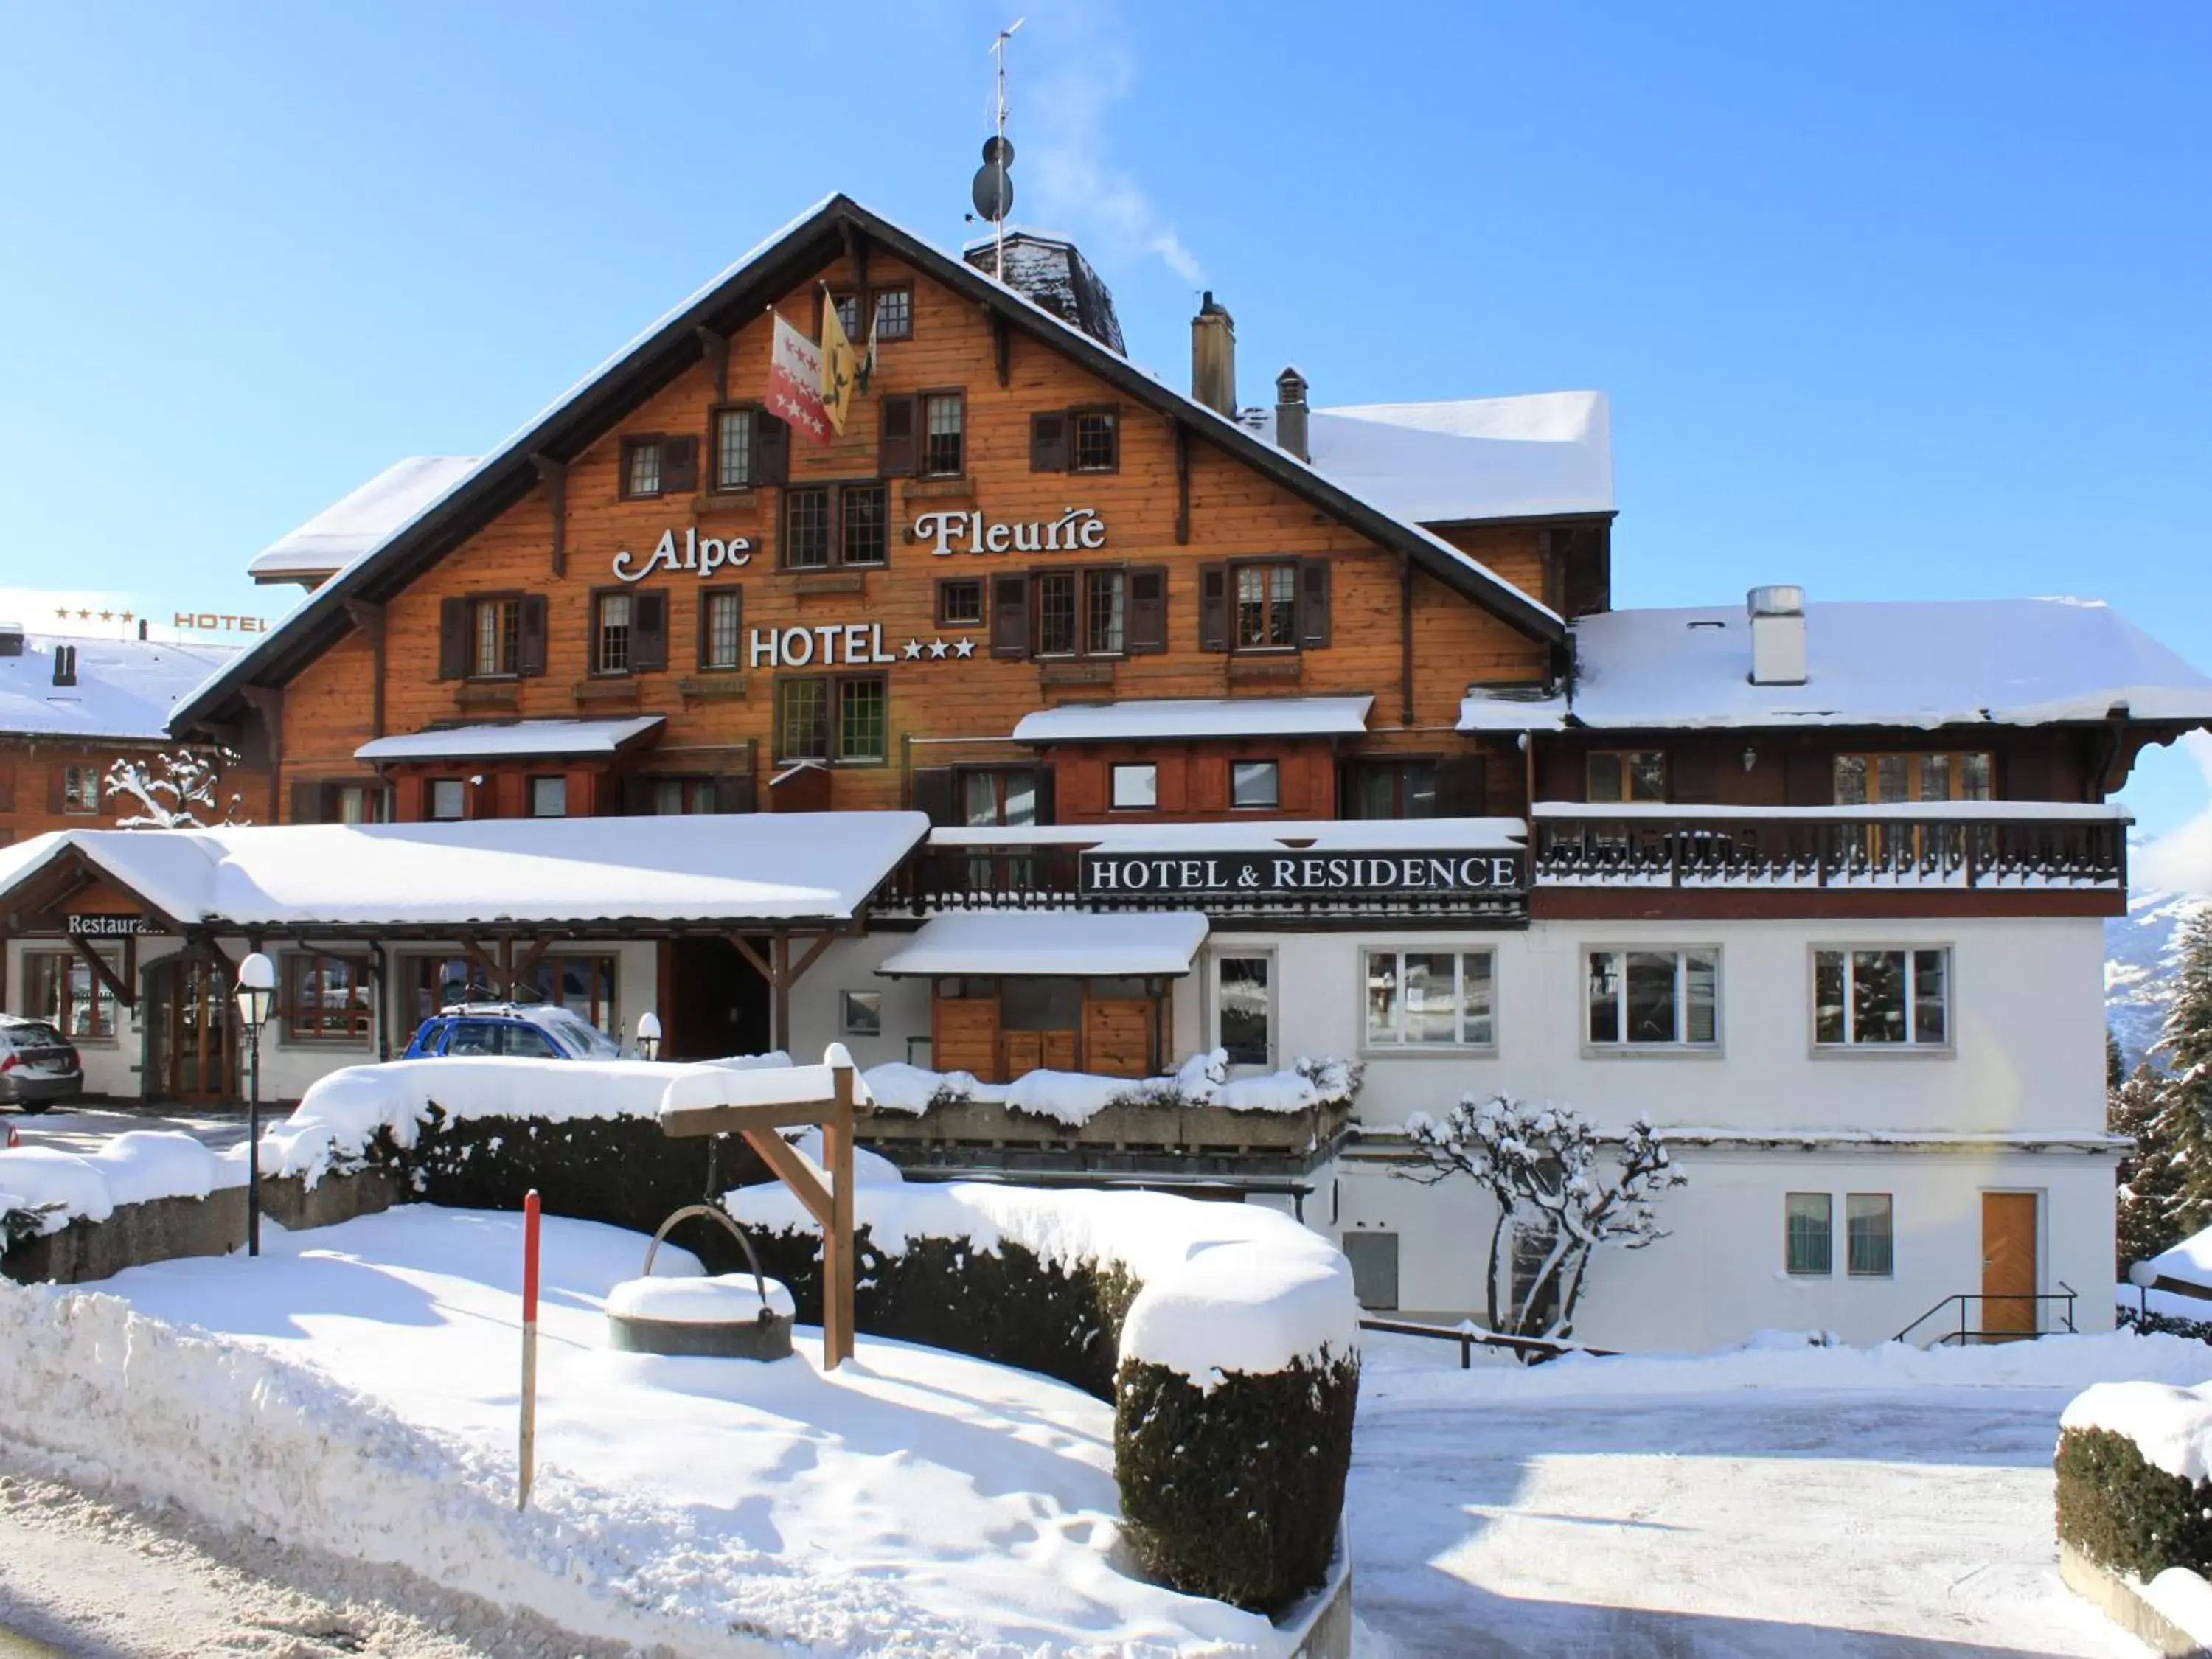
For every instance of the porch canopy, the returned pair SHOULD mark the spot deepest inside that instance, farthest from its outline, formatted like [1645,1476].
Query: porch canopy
[517,739]
[1145,720]
[1051,945]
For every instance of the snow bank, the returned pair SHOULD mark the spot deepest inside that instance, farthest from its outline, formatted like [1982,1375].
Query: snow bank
[2171,1426]
[132,1168]
[2189,1261]
[1227,1287]
[1075,1097]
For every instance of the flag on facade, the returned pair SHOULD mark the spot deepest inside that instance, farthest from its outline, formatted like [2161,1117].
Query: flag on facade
[841,365]
[795,382]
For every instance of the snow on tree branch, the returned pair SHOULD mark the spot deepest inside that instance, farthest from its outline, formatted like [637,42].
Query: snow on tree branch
[179,791]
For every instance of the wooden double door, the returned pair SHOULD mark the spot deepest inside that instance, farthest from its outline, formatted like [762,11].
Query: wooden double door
[191,1032]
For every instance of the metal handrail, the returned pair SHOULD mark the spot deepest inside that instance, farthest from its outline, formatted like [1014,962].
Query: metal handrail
[2064,1295]
[1469,1337]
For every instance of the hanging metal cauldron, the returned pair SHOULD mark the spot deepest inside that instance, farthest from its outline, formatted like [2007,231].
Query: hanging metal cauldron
[727,1316]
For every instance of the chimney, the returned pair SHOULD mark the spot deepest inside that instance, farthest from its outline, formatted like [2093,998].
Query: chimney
[65,664]
[1290,413]
[1213,358]
[142,627]
[1778,636]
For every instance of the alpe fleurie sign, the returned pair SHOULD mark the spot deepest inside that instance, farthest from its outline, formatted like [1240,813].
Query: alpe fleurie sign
[1293,875]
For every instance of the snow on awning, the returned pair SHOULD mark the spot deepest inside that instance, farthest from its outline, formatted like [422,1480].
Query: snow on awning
[1051,943]
[1488,710]
[517,739]
[1141,719]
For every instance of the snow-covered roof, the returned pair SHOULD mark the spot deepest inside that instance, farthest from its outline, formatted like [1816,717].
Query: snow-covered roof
[1545,453]
[1144,718]
[1489,708]
[354,523]
[1257,835]
[767,867]
[124,688]
[1926,663]
[1117,945]
[519,737]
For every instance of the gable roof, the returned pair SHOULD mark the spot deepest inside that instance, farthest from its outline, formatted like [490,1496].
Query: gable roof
[673,345]
[354,523]
[124,688]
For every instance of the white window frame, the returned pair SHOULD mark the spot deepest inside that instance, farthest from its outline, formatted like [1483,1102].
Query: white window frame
[1681,1047]
[1113,771]
[1849,1271]
[559,782]
[1274,960]
[1401,1047]
[430,800]
[1851,1048]
[1274,773]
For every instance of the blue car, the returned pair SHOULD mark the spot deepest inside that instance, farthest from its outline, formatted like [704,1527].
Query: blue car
[517,1031]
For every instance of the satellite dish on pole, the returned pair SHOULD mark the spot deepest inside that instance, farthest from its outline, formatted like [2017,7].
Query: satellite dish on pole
[994,190]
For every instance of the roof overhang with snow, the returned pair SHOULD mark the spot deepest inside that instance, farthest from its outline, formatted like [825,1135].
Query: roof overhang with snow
[518,738]
[1147,719]
[1051,945]
[675,344]
[354,523]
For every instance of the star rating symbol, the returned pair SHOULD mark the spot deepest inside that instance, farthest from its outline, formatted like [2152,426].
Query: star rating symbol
[127,617]
[937,650]
[107,616]
[62,611]
[84,616]
[965,648]
[913,650]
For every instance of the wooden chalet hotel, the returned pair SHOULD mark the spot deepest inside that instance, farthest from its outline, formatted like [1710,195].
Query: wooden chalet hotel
[1051,719]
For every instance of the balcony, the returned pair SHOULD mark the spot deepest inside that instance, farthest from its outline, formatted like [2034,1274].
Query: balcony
[1977,846]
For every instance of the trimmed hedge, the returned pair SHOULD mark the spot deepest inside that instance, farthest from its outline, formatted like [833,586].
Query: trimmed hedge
[2127,1514]
[2160,1324]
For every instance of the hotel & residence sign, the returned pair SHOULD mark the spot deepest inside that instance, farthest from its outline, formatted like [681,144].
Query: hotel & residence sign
[1291,875]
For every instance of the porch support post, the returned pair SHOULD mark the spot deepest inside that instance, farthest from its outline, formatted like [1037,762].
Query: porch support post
[117,986]
[838,1237]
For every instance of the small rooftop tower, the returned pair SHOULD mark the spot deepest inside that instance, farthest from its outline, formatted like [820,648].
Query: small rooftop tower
[1213,358]
[1778,635]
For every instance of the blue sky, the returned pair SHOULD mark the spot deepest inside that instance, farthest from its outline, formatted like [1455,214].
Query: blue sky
[1892,300]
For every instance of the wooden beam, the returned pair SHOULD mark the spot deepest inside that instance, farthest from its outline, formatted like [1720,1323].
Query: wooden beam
[484,959]
[539,947]
[369,618]
[746,951]
[822,942]
[268,702]
[116,985]
[856,254]
[1405,639]
[1182,480]
[687,1123]
[554,475]
[1002,347]
[779,991]
[717,348]
[791,1169]
[838,1237]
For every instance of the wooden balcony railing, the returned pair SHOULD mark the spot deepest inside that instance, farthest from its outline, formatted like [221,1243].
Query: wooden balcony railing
[1023,878]
[1971,844]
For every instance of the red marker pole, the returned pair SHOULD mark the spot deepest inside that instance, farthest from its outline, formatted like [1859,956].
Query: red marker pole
[529,1450]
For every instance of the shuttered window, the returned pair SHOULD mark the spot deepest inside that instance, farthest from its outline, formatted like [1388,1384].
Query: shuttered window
[659,465]
[721,628]
[610,633]
[944,428]
[733,448]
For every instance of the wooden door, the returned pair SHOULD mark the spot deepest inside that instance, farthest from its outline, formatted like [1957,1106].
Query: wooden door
[2008,1265]
[198,1061]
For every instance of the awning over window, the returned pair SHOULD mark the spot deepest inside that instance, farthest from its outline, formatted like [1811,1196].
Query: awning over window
[517,740]
[1051,943]
[1141,719]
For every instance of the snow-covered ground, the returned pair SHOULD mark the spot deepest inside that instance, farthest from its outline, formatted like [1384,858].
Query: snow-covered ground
[87,1129]
[1805,1503]
[354,1391]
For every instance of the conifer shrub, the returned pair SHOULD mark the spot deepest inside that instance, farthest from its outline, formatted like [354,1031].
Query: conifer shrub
[2126,1514]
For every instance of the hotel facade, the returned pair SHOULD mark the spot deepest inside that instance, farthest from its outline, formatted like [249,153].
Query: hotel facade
[1050,721]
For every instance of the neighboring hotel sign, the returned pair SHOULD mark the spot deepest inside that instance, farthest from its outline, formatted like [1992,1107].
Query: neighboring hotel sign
[1299,875]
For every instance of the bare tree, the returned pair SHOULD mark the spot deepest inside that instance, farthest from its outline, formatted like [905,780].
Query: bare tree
[179,791]
[1546,1170]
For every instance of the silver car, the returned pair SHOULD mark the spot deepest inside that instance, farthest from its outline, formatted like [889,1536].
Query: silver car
[38,1064]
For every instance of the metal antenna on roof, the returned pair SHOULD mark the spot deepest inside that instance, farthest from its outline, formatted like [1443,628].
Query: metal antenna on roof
[992,192]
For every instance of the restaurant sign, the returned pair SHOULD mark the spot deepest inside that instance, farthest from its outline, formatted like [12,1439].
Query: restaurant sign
[77,924]
[1273,875]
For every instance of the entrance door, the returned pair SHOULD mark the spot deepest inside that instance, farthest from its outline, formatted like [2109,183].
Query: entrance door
[195,1059]
[2008,1265]
[717,1004]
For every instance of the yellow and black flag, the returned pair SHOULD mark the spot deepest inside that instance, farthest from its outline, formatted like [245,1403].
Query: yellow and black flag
[841,367]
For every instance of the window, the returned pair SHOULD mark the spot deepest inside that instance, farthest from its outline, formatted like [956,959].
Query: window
[1056,592]
[1896,998]
[1267,606]
[1861,778]
[641,464]
[722,627]
[353,802]
[894,314]
[989,798]
[439,982]
[842,720]
[496,629]
[80,789]
[862,1013]
[667,797]
[944,419]
[1431,998]
[960,603]
[447,799]
[1103,620]
[1081,612]
[1097,440]
[584,986]
[1655,999]
[659,465]
[1628,774]
[1136,786]
[849,314]
[1869,1239]
[1243,1010]
[326,999]
[1809,1228]
[60,989]
[549,798]
[611,634]
[839,524]
[734,449]
[1256,785]
[1393,789]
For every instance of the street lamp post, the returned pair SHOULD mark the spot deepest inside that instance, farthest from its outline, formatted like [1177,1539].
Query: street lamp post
[649,1035]
[257,991]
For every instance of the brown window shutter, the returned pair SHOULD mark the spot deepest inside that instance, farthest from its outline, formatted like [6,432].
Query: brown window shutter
[533,634]
[57,789]
[771,448]
[1462,787]
[453,639]
[1148,609]
[648,635]
[895,438]
[1010,616]
[932,793]
[1313,603]
[679,465]
[737,792]
[307,803]
[1048,442]
[1213,607]
[1047,795]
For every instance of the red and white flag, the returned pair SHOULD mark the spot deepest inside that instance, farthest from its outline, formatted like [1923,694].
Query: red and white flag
[794,383]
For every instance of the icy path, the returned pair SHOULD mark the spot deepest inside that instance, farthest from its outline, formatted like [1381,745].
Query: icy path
[1488,1519]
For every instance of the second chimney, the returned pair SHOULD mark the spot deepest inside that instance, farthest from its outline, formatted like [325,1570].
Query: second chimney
[1213,358]
[1778,636]
[1291,413]
[65,664]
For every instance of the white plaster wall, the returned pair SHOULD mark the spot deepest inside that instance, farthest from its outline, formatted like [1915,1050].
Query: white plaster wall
[850,964]
[1720,1275]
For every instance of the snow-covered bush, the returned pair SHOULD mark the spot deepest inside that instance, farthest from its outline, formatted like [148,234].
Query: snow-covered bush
[179,791]
[1076,1097]
[2132,1465]
[1562,1192]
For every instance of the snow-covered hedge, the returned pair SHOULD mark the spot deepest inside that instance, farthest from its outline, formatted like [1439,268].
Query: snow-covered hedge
[1076,1097]
[44,1188]
[2135,1477]
[1226,1335]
